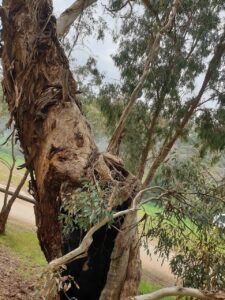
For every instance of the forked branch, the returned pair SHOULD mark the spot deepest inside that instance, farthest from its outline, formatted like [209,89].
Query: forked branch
[153,51]
[167,146]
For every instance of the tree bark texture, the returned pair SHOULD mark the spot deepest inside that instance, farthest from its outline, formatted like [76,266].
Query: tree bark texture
[60,152]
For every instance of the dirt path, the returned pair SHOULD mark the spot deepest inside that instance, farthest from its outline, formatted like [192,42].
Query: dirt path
[153,269]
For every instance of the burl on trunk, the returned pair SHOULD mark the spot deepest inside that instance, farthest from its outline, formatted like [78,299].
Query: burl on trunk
[60,151]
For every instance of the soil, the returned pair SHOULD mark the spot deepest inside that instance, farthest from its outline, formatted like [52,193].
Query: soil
[14,284]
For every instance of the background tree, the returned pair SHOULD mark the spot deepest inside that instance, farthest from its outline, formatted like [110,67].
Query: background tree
[7,203]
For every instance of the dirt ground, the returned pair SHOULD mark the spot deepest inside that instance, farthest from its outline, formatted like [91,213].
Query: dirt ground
[13,282]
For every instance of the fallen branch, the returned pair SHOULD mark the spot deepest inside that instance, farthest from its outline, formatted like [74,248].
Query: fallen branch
[19,196]
[178,291]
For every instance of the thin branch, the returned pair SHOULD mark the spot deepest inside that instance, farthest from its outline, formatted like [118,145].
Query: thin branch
[7,139]
[150,131]
[19,196]
[17,190]
[87,240]
[67,18]
[151,8]
[11,170]
[192,105]
[153,51]
[178,291]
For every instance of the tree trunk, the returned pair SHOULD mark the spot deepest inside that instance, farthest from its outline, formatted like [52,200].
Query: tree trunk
[3,221]
[60,152]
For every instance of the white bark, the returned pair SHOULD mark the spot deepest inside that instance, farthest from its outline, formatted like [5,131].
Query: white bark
[67,18]
[177,291]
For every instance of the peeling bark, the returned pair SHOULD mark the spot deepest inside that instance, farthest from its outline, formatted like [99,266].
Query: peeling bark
[60,151]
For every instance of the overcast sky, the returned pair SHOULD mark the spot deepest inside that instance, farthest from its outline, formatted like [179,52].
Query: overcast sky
[101,50]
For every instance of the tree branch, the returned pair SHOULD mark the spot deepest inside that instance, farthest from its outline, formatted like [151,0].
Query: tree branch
[19,196]
[213,64]
[153,51]
[16,192]
[87,240]
[178,291]
[67,18]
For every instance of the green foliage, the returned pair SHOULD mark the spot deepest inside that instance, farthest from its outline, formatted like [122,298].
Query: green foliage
[211,128]
[83,207]
[134,135]
[172,83]
[185,224]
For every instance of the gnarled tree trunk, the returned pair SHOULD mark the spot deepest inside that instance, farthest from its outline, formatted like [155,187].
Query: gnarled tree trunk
[60,153]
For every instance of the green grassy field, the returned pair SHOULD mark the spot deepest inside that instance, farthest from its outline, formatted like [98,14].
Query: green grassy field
[23,243]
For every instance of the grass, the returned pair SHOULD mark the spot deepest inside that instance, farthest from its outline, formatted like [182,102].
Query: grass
[146,287]
[152,210]
[24,244]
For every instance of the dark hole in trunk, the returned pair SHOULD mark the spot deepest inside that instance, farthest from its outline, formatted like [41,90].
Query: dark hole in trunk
[90,273]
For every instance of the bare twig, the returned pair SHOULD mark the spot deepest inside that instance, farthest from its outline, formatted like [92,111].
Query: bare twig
[11,169]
